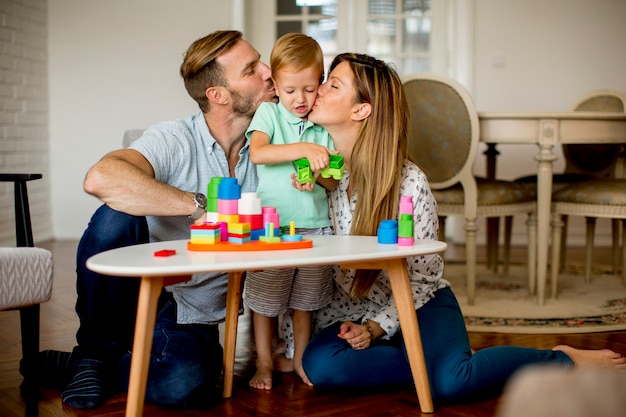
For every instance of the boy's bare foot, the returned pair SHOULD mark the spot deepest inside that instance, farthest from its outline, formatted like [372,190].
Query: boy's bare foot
[300,371]
[282,364]
[603,358]
[262,379]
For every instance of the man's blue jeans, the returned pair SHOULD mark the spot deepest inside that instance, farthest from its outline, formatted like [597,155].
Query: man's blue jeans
[186,360]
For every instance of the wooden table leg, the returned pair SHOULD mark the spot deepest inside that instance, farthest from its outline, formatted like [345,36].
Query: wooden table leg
[233,299]
[149,291]
[402,294]
[545,158]
[401,289]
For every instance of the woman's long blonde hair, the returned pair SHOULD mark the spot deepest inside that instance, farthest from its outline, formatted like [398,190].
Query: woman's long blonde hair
[379,153]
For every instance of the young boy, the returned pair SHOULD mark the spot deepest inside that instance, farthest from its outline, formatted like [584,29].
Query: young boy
[279,134]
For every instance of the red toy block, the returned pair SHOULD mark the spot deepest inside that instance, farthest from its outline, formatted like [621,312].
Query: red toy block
[165,252]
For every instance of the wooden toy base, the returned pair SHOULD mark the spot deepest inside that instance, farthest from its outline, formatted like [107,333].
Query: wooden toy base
[255,245]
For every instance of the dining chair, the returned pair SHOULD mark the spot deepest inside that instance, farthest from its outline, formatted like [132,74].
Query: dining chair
[585,162]
[25,283]
[443,142]
[591,199]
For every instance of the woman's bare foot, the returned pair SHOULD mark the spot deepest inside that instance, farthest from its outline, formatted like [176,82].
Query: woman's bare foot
[262,379]
[282,364]
[603,358]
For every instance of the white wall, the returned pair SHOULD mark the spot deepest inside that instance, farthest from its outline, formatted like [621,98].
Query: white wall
[113,66]
[24,145]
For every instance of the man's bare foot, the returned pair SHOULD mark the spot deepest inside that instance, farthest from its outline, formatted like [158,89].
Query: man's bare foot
[603,358]
[262,379]
[282,364]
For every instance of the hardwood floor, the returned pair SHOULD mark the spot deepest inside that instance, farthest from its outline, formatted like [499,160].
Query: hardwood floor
[290,397]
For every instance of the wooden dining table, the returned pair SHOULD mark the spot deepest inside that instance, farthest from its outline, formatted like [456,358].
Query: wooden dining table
[546,130]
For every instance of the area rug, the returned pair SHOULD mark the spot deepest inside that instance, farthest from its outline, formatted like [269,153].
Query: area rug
[503,304]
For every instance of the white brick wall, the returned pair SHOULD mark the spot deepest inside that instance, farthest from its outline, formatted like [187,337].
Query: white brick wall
[24,138]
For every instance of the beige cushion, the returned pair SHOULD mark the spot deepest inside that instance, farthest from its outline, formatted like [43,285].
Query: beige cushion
[601,192]
[25,277]
[489,193]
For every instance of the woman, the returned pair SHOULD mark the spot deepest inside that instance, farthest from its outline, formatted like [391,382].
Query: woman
[358,341]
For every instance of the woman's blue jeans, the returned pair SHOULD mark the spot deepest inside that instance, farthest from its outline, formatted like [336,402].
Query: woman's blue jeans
[186,359]
[454,373]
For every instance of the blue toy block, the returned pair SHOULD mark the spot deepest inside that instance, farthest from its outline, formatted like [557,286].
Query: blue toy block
[388,232]
[228,189]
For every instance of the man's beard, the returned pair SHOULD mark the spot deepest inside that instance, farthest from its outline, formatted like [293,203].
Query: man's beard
[243,105]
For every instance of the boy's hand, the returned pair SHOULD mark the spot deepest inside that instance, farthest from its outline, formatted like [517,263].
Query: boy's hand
[318,156]
[301,187]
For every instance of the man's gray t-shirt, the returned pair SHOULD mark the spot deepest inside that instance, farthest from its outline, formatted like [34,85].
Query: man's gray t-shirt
[183,154]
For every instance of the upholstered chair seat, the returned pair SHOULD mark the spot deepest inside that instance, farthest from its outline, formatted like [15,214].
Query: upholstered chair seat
[25,277]
[489,193]
[606,192]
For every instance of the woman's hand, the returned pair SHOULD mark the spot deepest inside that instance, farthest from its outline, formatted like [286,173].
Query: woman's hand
[356,335]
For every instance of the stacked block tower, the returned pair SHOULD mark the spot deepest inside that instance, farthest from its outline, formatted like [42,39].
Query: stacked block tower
[236,217]
[399,231]
[405,221]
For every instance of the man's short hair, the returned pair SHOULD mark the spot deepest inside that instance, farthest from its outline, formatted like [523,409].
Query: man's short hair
[200,69]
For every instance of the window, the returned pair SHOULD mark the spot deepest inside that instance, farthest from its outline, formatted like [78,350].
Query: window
[416,35]
[397,31]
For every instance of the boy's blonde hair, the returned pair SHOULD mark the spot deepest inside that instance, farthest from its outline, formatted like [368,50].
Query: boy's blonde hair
[297,51]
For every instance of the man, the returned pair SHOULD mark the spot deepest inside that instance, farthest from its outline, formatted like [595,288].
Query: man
[162,176]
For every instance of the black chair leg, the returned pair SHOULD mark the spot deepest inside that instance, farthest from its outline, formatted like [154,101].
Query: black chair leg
[29,323]
[23,228]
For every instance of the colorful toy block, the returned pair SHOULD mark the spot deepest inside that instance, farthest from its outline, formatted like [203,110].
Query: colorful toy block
[405,222]
[212,194]
[303,170]
[250,203]
[336,168]
[406,205]
[269,234]
[255,220]
[227,206]
[292,236]
[207,233]
[165,253]
[228,218]
[228,189]
[388,232]
[239,228]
